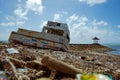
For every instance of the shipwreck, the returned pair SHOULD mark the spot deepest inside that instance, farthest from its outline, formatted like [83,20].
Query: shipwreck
[53,36]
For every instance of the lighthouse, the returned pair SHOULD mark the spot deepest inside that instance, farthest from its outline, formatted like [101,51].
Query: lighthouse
[95,40]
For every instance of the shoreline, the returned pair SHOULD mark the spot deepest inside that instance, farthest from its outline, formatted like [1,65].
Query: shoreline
[92,47]
[116,49]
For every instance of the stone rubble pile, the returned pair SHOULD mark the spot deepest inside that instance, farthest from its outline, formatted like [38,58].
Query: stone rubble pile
[29,63]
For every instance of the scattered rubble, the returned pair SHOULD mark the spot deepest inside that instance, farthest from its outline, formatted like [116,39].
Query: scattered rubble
[44,64]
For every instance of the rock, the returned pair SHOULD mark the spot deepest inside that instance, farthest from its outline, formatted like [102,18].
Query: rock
[118,70]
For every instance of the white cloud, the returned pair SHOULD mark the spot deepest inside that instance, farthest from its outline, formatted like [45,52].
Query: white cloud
[93,2]
[19,0]
[72,18]
[12,21]
[19,23]
[30,5]
[34,5]
[56,17]
[83,29]
[7,24]
[118,26]
[12,24]
[43,23]
[99,23]
[20,12]
[9,18]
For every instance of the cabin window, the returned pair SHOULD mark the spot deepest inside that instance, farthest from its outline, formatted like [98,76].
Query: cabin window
[58,24]
[44,43]
[68,38]
[34,40]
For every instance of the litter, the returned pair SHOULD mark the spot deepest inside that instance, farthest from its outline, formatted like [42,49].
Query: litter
[92,77]
[12,50]
[22,70]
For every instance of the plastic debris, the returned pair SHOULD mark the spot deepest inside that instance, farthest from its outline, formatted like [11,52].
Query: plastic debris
[92,77]
[12,50]
[22,70]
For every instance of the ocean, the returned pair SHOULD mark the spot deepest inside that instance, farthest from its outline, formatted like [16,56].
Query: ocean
[116,48]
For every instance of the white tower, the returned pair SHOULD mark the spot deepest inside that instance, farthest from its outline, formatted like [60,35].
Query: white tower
[95,40]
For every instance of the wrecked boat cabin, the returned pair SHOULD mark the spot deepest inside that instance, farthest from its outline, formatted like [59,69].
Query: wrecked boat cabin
[53,36]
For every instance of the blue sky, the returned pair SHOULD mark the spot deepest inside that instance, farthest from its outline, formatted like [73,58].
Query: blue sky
[85,18]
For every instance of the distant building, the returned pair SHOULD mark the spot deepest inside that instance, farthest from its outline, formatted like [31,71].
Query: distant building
[95,40]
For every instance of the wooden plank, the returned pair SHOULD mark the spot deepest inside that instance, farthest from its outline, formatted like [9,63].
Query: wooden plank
[60,66]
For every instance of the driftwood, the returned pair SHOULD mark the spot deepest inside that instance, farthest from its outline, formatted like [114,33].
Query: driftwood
[17,63]
[9,66]
[60,66]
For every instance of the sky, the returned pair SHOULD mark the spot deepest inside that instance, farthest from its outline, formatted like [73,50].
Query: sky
[85,18]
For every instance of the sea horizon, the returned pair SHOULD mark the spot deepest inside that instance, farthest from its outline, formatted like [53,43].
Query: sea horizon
[115,47]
